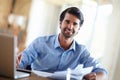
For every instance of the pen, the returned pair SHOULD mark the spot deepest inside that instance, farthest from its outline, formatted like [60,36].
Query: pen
[68,74]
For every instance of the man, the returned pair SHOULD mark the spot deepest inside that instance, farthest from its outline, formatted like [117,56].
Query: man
[59,52]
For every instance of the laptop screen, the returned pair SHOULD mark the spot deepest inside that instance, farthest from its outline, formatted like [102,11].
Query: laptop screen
[8,44]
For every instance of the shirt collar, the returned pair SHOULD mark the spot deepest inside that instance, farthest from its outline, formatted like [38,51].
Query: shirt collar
[57,44]
[72,46]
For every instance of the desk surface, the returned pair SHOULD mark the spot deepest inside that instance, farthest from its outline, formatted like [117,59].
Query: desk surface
[31,77]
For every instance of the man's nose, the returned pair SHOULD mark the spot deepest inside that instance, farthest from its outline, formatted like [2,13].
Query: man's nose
[70,25]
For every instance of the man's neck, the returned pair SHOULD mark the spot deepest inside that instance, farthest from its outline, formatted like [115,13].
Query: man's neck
[65,43]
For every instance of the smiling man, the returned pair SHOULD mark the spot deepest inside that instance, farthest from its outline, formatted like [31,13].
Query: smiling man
[60,52]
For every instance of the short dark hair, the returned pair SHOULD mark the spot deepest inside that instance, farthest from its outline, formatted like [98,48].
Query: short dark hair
[74,11]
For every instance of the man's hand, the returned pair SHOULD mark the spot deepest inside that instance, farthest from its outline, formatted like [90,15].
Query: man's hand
[95,76]
[18,60]
[90,76]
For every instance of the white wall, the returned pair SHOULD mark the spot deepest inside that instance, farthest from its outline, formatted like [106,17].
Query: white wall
[43,20]
[112,49]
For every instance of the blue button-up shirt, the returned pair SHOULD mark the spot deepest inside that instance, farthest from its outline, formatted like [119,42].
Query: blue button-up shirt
[46,54]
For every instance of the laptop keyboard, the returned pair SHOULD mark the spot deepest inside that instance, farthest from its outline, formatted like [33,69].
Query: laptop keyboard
[19,74]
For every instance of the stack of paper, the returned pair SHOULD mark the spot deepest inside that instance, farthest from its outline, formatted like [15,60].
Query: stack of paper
[75,74]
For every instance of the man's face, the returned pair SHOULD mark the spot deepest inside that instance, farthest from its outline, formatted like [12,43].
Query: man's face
[70,25]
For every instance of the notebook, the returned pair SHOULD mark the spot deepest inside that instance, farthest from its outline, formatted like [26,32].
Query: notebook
[8,45]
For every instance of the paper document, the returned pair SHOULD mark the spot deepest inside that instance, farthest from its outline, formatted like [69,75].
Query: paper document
[42,74]
[75,74]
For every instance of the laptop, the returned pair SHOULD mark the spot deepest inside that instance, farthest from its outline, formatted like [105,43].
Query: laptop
[8,45]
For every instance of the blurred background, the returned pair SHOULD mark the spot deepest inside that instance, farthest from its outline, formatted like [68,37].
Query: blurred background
[28,19]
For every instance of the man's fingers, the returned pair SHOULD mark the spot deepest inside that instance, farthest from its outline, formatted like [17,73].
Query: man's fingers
[90,76]
[18,60]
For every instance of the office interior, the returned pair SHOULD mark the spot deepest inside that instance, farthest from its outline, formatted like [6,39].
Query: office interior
[28,19]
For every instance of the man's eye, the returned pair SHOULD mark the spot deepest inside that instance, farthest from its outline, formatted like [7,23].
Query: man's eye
[67,21]
[75,24]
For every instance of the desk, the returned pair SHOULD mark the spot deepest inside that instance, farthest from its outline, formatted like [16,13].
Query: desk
[31,77]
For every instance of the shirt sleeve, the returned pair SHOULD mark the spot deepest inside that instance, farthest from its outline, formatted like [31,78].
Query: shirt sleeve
[89,61]
[29,55]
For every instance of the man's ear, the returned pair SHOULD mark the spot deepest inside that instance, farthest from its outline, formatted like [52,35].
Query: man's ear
[60,24]
[79,28]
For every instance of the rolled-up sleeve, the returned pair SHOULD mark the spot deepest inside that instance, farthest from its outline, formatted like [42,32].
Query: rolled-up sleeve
[89,61]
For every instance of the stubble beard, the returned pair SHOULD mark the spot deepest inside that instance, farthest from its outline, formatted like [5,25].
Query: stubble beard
[68,35]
